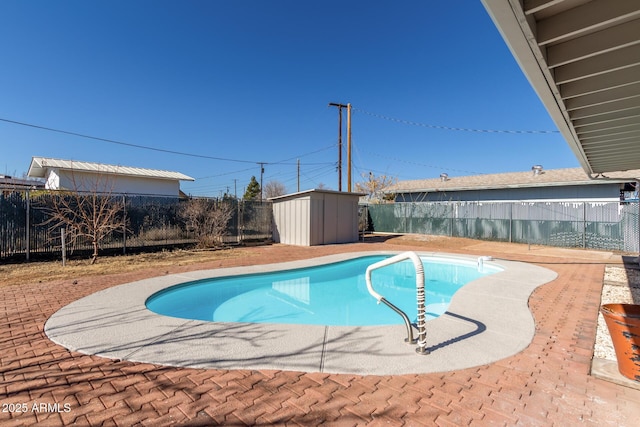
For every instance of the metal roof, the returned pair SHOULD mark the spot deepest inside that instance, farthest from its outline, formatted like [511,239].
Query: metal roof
[547,178]
[314,190]
[11,182]
[582,57]
[39,165]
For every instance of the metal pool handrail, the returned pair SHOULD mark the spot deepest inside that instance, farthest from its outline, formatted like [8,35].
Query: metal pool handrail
[417,263]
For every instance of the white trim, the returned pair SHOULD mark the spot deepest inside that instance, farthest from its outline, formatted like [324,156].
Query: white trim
[40,165]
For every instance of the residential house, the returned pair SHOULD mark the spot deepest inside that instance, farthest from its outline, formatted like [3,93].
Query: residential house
[537,185]
[103,178]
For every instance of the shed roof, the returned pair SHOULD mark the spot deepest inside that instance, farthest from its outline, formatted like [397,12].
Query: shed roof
[39,165]
[551,177]
[315,190]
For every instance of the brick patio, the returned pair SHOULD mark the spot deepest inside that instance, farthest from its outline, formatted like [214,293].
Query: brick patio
[547,384]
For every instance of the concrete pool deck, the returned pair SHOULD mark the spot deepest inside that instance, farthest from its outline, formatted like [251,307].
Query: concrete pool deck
[488,320]
[547,383]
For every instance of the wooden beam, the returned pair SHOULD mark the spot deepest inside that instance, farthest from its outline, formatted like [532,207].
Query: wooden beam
[601,82]
[532,6]
[610,107]
[593,66]
[589,17]
[599,98]
[594,44]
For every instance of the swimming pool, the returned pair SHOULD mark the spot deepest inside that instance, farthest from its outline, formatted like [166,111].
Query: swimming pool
[332,294]
[115,323]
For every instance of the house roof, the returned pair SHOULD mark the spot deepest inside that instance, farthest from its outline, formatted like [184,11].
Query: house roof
[39,165]
[552,177]
[11,182]
[582,57]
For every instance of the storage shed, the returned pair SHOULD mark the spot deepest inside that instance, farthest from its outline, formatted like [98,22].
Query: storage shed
[315,217]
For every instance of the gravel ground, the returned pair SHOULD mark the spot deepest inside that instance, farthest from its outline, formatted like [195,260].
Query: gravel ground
[620,286]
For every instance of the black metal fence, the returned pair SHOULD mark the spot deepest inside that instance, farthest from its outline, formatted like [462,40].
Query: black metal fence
[151,222]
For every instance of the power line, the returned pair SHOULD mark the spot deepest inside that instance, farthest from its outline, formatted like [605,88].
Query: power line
[408,122]
[315,176]
[226,173]
[283,162]
[421,164]
[144,147]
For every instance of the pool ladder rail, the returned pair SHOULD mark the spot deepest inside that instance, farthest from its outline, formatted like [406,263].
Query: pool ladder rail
[420,298]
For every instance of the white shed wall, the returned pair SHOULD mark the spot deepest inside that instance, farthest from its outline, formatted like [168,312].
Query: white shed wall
[347,226]
[330,218]
[291,222]
[52,181]
[316,221]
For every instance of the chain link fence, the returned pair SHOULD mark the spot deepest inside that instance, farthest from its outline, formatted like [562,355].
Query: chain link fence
[151,222]
[593,225]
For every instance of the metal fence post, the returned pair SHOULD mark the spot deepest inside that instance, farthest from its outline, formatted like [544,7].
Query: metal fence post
[510,222]
[450,219]
[124,224]
[27,226]
[241,220]
[64,246]
[529,225]
[584,225]
[638,229]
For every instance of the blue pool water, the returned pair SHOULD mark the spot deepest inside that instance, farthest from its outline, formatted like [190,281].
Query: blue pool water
[330,294]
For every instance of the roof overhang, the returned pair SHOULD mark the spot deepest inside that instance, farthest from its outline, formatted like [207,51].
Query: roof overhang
[312,191]
[40,165]
[582,58]
[438,189]
[547,178]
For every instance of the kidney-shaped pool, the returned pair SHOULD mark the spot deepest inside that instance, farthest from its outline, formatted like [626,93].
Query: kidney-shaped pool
[331,294]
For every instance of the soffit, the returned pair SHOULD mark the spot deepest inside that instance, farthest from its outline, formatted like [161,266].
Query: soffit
[583,59]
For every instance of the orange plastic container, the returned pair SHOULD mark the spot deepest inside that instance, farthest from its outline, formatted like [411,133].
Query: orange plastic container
[623,321]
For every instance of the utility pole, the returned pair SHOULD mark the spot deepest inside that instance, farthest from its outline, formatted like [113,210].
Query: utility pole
[298,175]
[349,147]
[261,174]
[340,107]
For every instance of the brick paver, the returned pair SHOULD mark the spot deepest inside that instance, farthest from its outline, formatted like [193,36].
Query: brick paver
[546,384]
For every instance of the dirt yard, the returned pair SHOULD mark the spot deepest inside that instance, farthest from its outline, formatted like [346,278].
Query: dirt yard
[162,262]
[37,272]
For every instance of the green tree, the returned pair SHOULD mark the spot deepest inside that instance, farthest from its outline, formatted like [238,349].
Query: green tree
[253,190]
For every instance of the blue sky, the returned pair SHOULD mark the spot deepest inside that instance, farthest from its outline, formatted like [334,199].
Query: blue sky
[250,81]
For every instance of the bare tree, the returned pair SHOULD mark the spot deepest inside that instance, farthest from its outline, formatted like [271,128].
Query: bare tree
[93,216]
[375,187]
[274,189]
[208,219]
